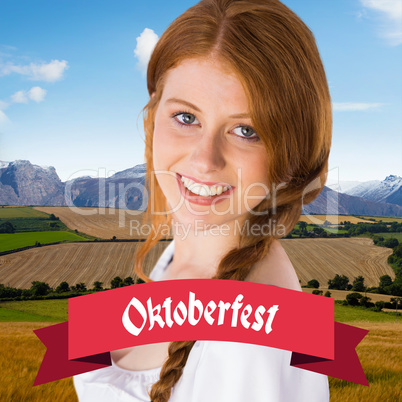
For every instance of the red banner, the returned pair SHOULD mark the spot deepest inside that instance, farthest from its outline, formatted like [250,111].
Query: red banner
[204,310]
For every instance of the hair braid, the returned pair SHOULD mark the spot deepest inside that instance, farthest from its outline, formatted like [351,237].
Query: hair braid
[235,265]
[171,370]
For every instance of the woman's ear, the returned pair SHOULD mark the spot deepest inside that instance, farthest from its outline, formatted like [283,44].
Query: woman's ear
[153,94]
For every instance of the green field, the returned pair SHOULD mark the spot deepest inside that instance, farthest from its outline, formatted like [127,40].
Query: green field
[27,219]
[35,224]
[11,241]
[21,212]
[34,311]
[350,314]
[387,235]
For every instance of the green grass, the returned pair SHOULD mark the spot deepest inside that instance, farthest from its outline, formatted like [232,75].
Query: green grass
[387,235]
[21,316]
[34,311]
[347,314]
[21,212]
[11,241]
[27,219]
[34,224]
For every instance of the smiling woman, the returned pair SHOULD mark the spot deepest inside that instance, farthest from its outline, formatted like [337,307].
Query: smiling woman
[238,134]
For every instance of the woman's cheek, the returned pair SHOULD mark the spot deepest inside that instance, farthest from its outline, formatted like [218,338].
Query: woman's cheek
[161,151]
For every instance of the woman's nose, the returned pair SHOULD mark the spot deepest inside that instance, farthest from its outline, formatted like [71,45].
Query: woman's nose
[208,154]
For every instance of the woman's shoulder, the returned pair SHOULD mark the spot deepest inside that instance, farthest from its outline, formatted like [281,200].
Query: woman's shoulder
[275,269]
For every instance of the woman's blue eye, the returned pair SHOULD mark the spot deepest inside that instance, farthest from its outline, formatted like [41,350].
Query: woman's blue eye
[186,118]
[245,131]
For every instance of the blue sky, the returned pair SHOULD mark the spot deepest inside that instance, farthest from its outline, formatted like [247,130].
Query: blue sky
[72,87]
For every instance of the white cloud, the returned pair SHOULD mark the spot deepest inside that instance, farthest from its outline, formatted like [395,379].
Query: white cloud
[37,94]
[19,97]
[3,105]
[49,72]
[353,107]
[145,45]
[390,14]
[392,8]
[3,118]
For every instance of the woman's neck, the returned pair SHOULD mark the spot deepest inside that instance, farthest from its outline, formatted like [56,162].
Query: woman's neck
[197,253]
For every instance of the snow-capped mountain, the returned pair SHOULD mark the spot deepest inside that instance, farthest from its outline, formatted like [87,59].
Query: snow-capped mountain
[131,173]
[3,164]
[345,185]
[388,190]
[22,183]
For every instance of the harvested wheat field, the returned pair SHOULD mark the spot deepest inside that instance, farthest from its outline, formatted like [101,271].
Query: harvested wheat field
[317,259]
[385,219]
[100,222]
[332,219]
[73,263]
[108,222]
[321,259]
[22,353]
[381,358]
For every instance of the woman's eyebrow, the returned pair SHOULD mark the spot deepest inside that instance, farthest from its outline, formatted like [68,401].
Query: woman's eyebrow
[176,100]
[189,104]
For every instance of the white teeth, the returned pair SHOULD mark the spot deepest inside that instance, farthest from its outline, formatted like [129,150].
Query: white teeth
[203,189]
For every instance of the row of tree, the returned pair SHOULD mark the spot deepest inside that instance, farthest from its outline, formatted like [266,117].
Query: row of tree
[41,289]
[352,229]
[355,229]
[7,227]
[341,282]
[357,299]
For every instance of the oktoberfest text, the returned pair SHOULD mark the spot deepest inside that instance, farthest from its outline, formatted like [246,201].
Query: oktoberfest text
[194,311]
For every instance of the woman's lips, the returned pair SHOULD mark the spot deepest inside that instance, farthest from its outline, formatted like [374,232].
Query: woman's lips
[199,199]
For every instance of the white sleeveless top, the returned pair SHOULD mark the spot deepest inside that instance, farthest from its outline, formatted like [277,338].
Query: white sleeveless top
[214,372]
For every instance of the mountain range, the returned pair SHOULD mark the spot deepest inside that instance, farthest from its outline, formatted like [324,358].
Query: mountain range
[388,190]
[23,183]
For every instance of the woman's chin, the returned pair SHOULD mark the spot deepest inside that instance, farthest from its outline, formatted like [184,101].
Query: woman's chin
[196,224]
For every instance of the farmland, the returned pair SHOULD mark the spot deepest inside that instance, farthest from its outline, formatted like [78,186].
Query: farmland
[98,222]
[73,263]
[385,219]
[386,235]
[22,353]
[109,222]
[317,259]
[321,259]
[341,294]
[333,219]
[11,241]
[21,212]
